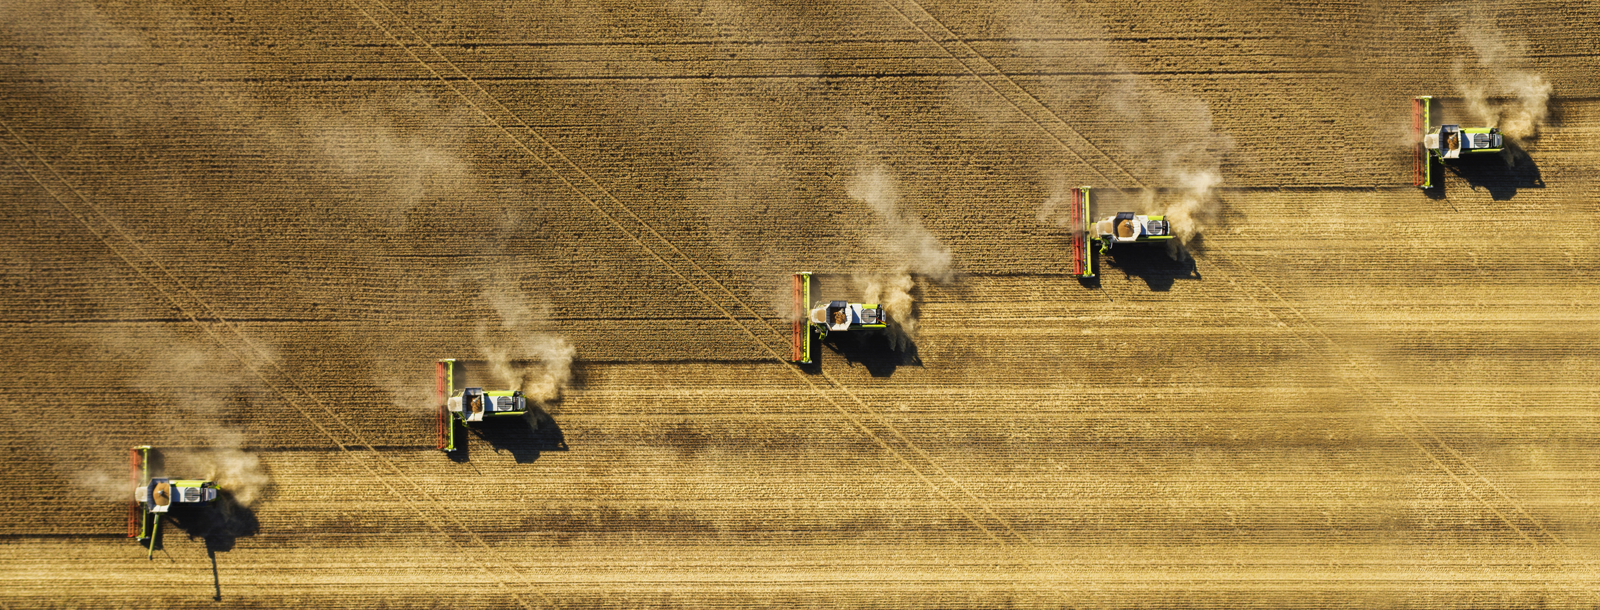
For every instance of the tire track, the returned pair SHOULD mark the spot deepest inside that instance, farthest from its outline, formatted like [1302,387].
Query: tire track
[650,78]
[1013,93]
[1509,511]
[232,340]
[837,41]
[1411,426]
[1501,505]
[869,421]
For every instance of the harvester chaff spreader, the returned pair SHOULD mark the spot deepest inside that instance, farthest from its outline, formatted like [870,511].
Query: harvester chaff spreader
[471,405]
[825,317]
[1123,228]
[1445,142]
[154,496]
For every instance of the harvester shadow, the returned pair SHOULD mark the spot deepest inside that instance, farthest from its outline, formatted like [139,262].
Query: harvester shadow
[1153,265]
[1502,175]
[881,353]
[220,525]
[523,437]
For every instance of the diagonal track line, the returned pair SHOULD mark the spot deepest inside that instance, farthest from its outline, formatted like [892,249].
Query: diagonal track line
[596,199]
[1062,133]
[602,196]
[251,356]
[1463,473]
[1506,515]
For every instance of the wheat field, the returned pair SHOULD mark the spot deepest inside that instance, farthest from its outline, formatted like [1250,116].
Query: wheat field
[245,231]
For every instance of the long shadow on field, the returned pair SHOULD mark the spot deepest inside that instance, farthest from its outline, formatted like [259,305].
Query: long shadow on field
[1502,175]
[220,524]
[523,437]
[880,352]
[1152,264]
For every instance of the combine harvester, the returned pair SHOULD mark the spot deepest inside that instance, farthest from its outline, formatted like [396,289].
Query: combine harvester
[1445,142]
[1123,228]
[472,405]
[827,316]
[155,496]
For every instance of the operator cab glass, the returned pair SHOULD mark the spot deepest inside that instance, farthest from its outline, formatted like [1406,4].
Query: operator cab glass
[477,404]
[1451,141]
[161,493]
[844,315]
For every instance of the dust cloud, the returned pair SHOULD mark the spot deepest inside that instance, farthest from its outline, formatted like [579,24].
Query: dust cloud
[1165,139]
[1054,212]
[383,171]
[101,485]
[205,389]
[892,291]
[375,169]
[202,393]
[1192,205]
[415,394]
[518,352]
[1495,87]
[1174,145]
[1179,152]
[908,247]
[234,470]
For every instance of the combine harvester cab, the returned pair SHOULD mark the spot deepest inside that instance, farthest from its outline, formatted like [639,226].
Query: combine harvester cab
[824,317]
[471,405]
[1446,142]
[155,496]
[1124,228]
[1131,228]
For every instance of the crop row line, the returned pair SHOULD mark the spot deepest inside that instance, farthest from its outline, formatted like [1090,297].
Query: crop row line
[225,333]
[1410,425]
[1508,511]
[1002,85]
[863,418]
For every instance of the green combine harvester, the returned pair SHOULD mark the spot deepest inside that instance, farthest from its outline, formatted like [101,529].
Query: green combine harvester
[1445,142]
[827,316]
[471,405]
[1123,228]
[156,496]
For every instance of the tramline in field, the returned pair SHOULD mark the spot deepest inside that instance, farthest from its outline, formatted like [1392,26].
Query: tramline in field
[1122,228]
[471,405]
[154,496]
[1445,142]
[827,317]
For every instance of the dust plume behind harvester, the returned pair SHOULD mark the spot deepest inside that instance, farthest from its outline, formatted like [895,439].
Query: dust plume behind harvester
[156,495]
[1445,142]
[471,405]
[1119,229]
[814,322]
